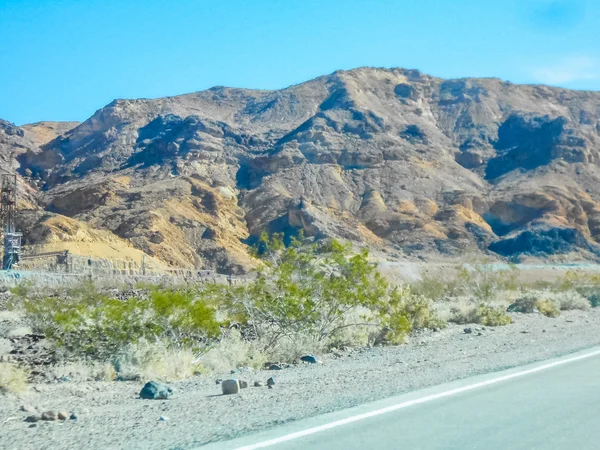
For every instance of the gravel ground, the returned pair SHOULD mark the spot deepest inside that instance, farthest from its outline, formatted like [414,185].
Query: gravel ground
[111,416]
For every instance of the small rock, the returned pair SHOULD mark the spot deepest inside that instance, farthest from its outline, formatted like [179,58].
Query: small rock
[311,359]
[468,331]
[274,367]
[232,372]
[271,382]
[33,425]
[49,415]
[480,334]
[243,384]
[28,408]
[257,384]
[62,415]
[32,418]
[154,390]
[543,331]
[230,387]
[73,416]
[218,381]
[163,419]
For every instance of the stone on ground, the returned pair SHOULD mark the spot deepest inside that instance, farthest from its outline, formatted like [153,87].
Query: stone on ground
[230,387]
[49,415]
[311,359]
[153,390]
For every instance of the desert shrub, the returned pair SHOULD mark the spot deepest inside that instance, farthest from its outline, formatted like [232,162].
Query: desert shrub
[314,291]
[483,314]
[532,302]
[22,289]
[231,352]
[155,361]
[89,322]
[435,288]
[84,371]
[547,308]
[493,316]
[310,290]
[12,378]
[526,304]
[481,282]
[569,300]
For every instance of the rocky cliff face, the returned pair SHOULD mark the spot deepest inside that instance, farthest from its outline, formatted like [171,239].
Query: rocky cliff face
[393,159]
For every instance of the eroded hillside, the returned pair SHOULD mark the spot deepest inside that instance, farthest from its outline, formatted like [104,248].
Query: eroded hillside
[394,159]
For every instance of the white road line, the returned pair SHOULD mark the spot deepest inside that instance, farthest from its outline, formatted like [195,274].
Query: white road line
[417,401]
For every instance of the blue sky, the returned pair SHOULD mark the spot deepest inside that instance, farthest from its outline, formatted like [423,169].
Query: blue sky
[62,60]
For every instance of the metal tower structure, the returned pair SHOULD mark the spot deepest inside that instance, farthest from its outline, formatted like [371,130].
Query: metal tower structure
[8,209]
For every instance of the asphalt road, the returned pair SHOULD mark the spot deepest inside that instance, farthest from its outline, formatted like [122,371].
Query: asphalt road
[549,405]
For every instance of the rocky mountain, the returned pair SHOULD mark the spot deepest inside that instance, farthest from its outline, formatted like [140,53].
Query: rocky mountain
[408,164]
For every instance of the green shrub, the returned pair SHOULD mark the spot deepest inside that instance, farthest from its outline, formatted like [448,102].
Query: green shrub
[92,323]
[547,308]
[493,316]
[22,289]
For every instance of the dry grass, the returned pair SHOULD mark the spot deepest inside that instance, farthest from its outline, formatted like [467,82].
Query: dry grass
[156,361]
[85,371]
[464,311]
[570,300]
[232,352]
[13,379]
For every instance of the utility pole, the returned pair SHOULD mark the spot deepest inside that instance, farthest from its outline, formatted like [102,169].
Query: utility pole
[8,209]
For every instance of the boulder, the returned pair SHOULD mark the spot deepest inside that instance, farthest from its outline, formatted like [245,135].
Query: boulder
[311,359]
[230,387]
[153,390]
[49,415]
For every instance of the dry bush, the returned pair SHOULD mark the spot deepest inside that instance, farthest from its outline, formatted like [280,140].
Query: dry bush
[85,371]
[547,308]
[484,314]
[156,361]
[536,301]
[570,300]
[290,348]
[13,379]
[231,352]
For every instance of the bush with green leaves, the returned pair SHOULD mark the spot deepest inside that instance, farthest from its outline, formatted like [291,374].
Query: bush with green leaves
[326,294]
[313,289]
[87,321]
